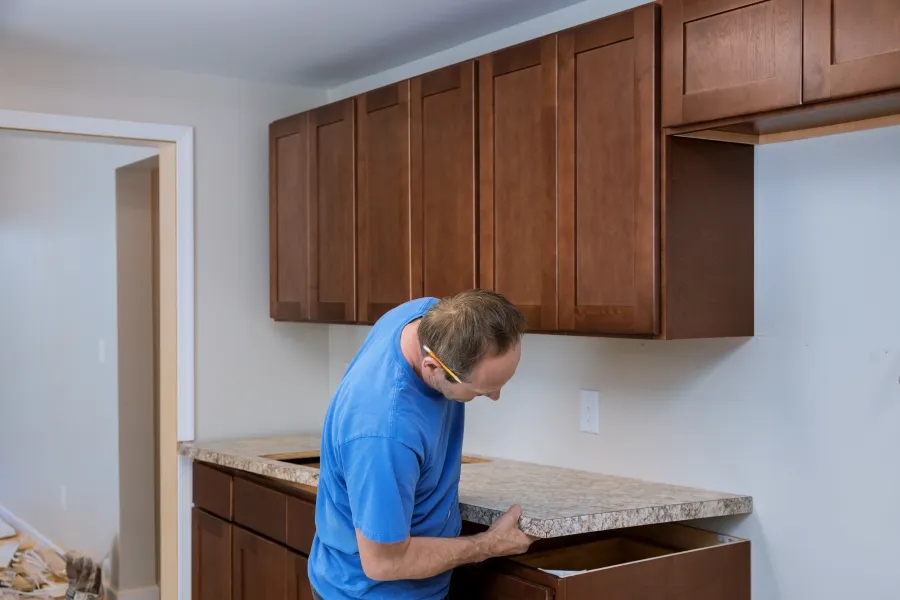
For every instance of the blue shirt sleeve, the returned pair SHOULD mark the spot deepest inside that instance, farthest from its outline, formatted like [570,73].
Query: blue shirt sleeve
[381,475]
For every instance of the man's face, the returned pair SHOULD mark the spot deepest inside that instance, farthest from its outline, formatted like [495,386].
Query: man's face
[487,378]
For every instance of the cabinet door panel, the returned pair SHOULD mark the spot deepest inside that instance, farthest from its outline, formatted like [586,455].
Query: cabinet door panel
[517,97]
[383,170]
[851,47]
[726,58]
[211,557]
[288,218]
[298,587]
[608,167]
[443,180]
[259,567]
[332,213]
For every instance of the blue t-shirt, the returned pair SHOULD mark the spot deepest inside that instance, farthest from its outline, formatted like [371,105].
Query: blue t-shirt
[390,462]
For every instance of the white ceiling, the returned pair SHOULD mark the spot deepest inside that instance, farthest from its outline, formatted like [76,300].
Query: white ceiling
[320,43]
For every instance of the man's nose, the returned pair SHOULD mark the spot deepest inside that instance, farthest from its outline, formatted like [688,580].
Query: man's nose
[495,395]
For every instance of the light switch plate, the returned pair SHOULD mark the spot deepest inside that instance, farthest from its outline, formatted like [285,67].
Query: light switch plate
[589,411]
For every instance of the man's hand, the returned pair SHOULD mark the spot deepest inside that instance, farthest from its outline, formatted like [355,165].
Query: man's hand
[505,537]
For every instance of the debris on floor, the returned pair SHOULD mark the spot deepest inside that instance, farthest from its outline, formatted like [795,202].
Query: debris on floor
[27,570]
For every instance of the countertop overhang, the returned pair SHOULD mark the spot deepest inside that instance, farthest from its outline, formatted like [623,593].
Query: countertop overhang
[555,501]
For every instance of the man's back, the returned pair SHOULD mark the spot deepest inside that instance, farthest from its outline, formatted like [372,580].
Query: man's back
[387,437]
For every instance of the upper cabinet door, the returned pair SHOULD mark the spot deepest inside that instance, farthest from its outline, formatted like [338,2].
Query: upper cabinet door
[383,170]
[288,219]
[332,213]
[608,169]
[517,99]
[725,58]
[444,198]
[850,47]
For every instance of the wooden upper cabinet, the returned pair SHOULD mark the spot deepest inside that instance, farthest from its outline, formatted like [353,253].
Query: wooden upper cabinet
[608,173]
[725,58]
[444,184]
[288,218]
[383,172]
[517,125]
[332,213]
[850,47]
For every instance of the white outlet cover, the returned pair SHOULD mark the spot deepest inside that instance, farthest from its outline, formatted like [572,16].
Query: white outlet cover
[589,411]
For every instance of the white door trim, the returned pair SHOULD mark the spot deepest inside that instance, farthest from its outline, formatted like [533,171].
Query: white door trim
[181,138]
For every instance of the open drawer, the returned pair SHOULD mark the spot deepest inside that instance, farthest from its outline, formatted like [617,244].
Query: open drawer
[657,562]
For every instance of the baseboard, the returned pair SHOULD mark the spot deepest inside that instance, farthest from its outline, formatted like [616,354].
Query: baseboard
[23,527]
[145,593]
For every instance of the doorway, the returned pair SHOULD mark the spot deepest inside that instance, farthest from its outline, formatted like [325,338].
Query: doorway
[174,417]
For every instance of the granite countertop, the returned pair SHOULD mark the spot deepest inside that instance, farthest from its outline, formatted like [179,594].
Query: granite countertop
[555,501]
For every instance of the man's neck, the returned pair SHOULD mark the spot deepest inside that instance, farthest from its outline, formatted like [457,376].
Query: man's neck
[411,349]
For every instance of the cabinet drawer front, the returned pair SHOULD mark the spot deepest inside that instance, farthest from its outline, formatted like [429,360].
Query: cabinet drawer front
[665,562]
[301,524]
[212,490]
[260,509]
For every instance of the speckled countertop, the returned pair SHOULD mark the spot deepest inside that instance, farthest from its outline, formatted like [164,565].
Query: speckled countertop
[555,502]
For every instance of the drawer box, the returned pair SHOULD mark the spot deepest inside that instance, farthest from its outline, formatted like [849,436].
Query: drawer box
[212,490]
[658,562]
[260,509]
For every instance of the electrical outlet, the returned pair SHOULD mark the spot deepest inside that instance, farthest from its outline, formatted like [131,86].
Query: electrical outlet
[589,411]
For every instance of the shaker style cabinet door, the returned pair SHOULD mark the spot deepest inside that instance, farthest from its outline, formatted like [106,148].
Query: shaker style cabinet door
[608,170]
[850,47]
[259,569]
[517,125]
[211,557]
[725,58]
[443,176]
[288,219]
[383,170]
[332,213]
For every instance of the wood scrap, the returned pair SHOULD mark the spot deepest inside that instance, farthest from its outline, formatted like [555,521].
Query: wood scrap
[7,552]
[6,530]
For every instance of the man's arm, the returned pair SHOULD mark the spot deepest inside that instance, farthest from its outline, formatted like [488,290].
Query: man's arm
[421,557]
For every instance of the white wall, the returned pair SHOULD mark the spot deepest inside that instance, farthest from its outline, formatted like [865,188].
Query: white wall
[254,376]
[804,416]
[58,358]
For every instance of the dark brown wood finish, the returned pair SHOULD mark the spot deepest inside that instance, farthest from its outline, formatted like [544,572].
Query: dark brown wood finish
[332,213]
[850,47]
[707,239]
[608,175]
[444,181]
[517,125]
[212,490]
[298,587]
[210,557]
[301,524]
[475,582]
[260,508]
[288,218]
[259,568]
[730,57]
[383,179]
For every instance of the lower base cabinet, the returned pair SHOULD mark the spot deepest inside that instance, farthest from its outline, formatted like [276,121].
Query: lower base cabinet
[656,562]
[255,547]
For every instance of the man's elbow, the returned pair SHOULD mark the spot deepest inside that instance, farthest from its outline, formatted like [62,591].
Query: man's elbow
[377,569]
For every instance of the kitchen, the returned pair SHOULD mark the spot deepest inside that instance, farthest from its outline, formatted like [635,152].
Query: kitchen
[651,245]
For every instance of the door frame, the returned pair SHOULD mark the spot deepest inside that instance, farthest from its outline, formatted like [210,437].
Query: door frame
[176,369]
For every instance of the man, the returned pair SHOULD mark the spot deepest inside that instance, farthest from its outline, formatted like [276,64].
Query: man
[387,509]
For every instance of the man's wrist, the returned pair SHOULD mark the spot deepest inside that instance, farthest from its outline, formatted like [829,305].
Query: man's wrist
[484,546]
